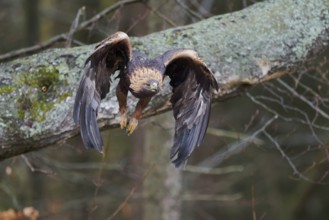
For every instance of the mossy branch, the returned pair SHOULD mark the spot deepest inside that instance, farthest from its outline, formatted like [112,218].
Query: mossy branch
[245,48]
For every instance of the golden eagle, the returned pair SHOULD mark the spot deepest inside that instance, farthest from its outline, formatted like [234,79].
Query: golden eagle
[191,80]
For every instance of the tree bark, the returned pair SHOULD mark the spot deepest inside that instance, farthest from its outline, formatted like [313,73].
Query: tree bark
[244,48]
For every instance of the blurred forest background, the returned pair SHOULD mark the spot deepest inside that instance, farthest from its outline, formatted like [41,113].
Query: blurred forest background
[265,155]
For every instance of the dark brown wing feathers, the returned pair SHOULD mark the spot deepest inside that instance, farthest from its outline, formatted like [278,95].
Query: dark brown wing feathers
[85,108]
[110,55]
[192,84]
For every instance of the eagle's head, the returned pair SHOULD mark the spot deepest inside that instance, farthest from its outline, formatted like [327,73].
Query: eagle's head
[145,81]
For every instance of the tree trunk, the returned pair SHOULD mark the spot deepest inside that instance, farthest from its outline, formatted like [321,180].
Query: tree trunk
[162,188]
[245,48]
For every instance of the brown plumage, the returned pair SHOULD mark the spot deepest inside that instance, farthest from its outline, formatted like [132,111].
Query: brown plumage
[190,78]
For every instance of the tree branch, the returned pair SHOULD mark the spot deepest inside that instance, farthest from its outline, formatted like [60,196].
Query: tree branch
[245,48]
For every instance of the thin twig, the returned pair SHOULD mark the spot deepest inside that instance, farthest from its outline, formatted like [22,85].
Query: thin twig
[236,147]
[165,18]
[201,8]
[252,120]
[62,37]
[288,119]
[244,3]
[34,169]
[32,49]
[263,216]
[74,26]
[188,10]
[283,154]
[210,197]
[98,182]
[132,192]
[137,21]
[230,134]
[254,214]
[302,98]
[105,12]
[213,171]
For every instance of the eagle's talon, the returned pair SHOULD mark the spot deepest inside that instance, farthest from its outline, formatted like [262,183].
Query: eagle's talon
[123,121]
[132,126]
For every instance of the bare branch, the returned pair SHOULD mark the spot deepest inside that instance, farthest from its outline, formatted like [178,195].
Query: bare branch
[165,18]
[35,169]
[213,171]
[189,11]
[64,36]
[132,192]
[283,154]
[74,26]
[210,197]
[236,147]
[318,110]
[33,49]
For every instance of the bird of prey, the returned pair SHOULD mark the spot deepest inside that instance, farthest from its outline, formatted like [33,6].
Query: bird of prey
[191,80]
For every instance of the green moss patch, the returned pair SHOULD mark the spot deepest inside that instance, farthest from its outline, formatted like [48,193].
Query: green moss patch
[6,89]
[41,91]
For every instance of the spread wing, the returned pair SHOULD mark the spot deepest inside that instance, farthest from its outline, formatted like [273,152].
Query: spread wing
[192,84]
[110,55]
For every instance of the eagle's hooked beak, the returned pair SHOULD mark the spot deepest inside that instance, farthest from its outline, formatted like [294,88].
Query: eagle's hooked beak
[153,85]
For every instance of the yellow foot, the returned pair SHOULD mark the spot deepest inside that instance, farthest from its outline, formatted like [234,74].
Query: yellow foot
[123,121]
[132,126]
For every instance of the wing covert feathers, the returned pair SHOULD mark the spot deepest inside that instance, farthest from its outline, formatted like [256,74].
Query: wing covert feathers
[110,55]
[192,84]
